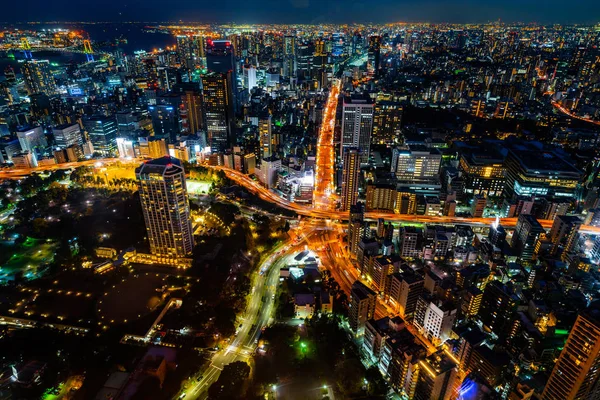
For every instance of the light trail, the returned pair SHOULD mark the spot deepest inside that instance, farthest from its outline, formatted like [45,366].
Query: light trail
[325,163]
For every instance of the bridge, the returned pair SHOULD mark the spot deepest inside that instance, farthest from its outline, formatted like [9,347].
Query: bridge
[25,46]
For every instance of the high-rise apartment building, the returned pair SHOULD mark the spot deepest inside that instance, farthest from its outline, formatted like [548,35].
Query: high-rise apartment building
[361,308]
[434,318]
[498,304]
[387,123]
[166,208]
[575,375]
[357,125]
[218,100]
[564,234]
[350,178]
[409,238]
[38,77]
[356,227]
[405,289]
[436,378]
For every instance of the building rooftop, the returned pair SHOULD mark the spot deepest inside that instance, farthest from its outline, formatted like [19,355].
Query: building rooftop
[304,299]
[160,166]
[361,291]
[543,161]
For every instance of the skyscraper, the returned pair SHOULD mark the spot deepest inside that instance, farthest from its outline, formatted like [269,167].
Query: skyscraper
[220,56]
[575,375]
[289,56]
[165,205]
[249,77]
[38,77]
[374,54]
[102,132]
[350,178]
[357,125]
[166,121]
[265,136]
[218,100]
[191,98]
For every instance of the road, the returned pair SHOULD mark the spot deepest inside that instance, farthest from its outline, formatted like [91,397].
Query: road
[324,211]
[20,173]
[258,313]
[307,211]
[325,162]
[572,115]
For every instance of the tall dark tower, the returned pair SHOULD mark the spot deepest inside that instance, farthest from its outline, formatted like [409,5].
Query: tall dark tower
[375,53]
[218,102]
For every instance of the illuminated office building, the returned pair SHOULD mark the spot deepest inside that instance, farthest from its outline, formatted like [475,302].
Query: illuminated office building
[218,100]
[250,77]
[357,125]
[483,172]
[416,164]
[102,132]
[67,135]
[350,178]
[166,121]
[32,139]
[541,173]
[165,205]
[38,77]
[192,110]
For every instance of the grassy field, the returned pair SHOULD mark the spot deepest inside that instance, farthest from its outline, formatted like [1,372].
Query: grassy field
[26,258]
[131,299]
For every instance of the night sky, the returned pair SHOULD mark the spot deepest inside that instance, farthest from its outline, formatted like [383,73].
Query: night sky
[305,11]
